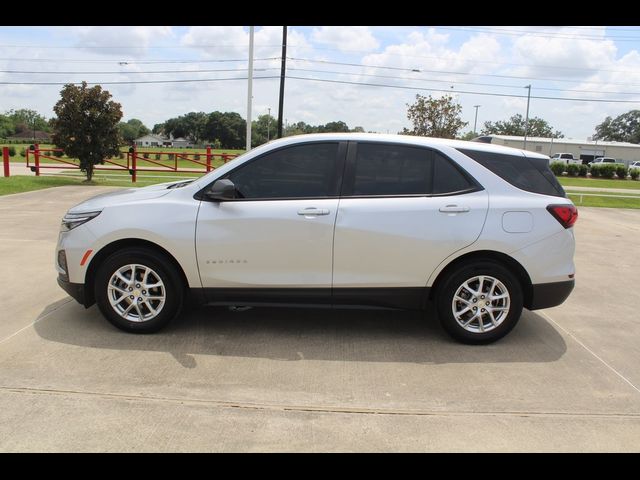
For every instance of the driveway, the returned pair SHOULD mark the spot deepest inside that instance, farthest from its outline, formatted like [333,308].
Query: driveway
[566,379]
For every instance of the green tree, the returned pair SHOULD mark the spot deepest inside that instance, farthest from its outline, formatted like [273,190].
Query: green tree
[623,128]
[195,124]
[86,126]
[333,127]
[515,126]
[132,129]
[263,129]
[434,117]
[7,127]
[26,121]
[468,136]
[228,127]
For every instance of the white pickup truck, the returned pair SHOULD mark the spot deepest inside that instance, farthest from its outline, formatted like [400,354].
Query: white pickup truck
[565,158]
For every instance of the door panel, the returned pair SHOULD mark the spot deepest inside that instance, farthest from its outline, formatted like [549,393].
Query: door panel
[266,243]
[399,241]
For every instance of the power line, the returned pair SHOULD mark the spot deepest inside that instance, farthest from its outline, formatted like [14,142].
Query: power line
[463,91]
[435,57]
[543,34]
[112,72]
[457,81]
[354,64]
[422,70]
[120,47]
[130,62]
[133,82]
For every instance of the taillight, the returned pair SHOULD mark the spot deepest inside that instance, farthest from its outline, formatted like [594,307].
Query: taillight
[565,214]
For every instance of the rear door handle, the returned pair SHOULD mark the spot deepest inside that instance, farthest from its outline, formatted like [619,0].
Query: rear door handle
[454,209]
[313,212]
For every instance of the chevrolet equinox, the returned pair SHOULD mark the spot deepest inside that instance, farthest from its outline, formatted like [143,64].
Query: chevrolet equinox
[333,219]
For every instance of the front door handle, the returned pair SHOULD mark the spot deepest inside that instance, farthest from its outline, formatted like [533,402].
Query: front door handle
[313,212]
[454,209]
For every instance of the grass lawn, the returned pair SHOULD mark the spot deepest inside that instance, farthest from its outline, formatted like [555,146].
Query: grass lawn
[24,183]
[598,182]
[610,202]
[216,161]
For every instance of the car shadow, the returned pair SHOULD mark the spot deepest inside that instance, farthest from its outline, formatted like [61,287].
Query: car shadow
[296,334]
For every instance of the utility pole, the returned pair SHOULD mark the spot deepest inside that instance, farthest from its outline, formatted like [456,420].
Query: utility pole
[282,72]
[526,119]
[249,89]
[268,122]
[475,122]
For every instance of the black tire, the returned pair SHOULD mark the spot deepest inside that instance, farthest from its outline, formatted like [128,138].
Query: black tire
[456,278]
[173,286]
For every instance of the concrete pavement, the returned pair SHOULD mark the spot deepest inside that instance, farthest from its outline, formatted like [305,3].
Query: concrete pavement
[565,379]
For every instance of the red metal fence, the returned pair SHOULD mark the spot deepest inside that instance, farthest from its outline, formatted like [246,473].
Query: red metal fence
[134,161]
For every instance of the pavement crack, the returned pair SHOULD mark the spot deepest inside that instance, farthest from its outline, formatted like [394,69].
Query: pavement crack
[577,340]
[40,318]
[312,408]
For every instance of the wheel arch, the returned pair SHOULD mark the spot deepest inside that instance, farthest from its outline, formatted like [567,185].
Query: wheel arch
[501,258]
[112,247]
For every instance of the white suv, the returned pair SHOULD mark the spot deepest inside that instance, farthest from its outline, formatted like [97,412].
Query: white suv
[335,219]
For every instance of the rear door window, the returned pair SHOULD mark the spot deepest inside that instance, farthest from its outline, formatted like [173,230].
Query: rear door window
[396,170]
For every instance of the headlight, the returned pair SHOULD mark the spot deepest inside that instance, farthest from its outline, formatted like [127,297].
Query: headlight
[73,220]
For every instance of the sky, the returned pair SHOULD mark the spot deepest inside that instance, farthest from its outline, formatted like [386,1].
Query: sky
[362,75]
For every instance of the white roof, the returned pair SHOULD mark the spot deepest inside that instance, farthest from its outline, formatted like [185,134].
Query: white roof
[152,136]
[407,139]
[569,141]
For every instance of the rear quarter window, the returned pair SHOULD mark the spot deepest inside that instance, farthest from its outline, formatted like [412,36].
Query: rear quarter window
[529,174]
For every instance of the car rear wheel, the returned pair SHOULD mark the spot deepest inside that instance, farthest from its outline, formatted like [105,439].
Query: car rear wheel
[480,302]
[138,290]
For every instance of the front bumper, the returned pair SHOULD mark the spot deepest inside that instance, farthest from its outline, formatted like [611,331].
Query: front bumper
[76,290]
[546,295]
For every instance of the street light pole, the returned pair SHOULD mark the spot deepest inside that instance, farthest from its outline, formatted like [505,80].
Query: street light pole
[249,89]
[475,122]
[526,119]
[268,122]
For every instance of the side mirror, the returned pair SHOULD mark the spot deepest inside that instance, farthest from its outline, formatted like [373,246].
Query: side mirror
[221,190]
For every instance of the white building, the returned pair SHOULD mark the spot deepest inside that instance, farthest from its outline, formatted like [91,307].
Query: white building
[586,150]
[153,140]
[150,140]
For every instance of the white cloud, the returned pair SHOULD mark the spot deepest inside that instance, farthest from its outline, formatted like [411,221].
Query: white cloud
[568,55]
[119,40]
[346,38]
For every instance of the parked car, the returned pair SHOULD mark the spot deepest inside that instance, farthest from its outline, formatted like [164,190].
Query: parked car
[602,161]
[387,221]
[565,158]
[634,165]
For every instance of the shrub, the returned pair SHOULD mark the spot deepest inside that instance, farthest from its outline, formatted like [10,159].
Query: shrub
[217,144]
[158,155]
[621,172]
[557,168]
[12,151]
[604,171]
[634,172]
[572,170]
[58,153]
[196,156]
[582,170]
[145,155]
[121,155]
[23,152]
[171,156]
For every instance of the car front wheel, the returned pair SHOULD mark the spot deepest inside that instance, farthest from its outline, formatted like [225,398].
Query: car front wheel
[138,290]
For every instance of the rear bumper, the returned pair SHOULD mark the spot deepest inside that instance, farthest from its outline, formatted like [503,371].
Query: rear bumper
[546,295]
[76,290]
